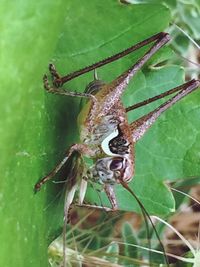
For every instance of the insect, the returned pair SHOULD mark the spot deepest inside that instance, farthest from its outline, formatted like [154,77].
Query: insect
[106,136]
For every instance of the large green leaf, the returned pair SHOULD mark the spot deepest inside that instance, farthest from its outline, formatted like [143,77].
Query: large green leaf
[27,43]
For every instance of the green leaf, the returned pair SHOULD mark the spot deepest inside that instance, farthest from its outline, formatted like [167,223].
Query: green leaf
[29,33]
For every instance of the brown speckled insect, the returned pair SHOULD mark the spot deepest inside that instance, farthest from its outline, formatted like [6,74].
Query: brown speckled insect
[106,136]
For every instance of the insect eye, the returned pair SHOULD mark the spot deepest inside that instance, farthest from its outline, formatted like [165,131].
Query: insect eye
[116,164]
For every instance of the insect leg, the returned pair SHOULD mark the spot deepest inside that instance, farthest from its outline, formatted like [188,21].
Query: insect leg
[61,80]
[115,89]
[95,207]
[69,196]
[111,195]
[109,190]
[82,191]
[75,183]
[141,125]
[157,97]
[81,148]
[59,91]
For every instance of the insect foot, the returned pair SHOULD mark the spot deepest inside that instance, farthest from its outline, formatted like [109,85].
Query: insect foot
[56,78]
[46,83]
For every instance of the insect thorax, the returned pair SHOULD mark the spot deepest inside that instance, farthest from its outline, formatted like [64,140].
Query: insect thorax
[111,141]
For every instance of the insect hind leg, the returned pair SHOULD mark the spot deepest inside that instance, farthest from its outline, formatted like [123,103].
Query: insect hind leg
[56,78]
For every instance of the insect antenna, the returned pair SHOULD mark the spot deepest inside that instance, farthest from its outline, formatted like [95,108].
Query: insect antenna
[146,215]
